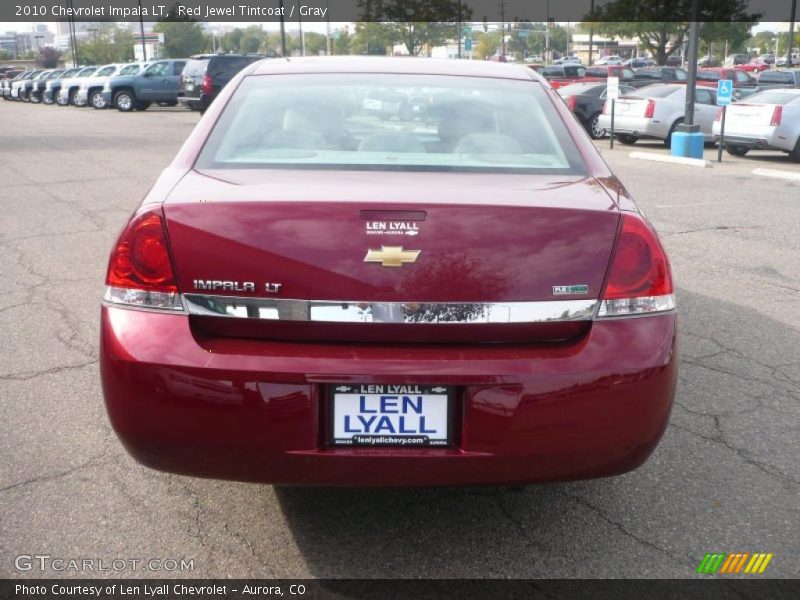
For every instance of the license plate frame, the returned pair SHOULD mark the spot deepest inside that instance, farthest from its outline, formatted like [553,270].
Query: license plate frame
[336,391]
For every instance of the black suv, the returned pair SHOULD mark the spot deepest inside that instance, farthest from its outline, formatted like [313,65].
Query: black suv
[650,75]
[205,75]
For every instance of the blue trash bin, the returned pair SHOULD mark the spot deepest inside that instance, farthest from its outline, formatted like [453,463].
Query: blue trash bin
[689,145]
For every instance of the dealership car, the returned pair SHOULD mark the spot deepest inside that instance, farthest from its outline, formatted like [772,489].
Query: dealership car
[7,80]
[53,85]
[744,84]
[71,85]
[137,91]
[650,75]
[205,75]
[783,78]
[308,295]
[656,111]
[586,101]
[38,87]
[768,120]
[21,87]
[90,88]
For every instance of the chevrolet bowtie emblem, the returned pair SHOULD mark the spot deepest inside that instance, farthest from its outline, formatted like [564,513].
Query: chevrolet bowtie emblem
[392,256]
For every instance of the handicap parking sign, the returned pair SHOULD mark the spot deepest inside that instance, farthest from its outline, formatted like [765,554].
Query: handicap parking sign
[724,92]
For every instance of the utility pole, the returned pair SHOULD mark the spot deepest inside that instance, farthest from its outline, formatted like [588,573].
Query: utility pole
[591,34]
[503,25]
[791,35]
[688,129]
[283,31]
[458,33]
[141,33]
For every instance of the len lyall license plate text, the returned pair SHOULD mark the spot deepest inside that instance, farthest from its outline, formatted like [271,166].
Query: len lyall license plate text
[390,415]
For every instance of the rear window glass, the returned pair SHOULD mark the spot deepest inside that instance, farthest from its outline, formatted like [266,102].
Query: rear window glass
[195,67]
[229,64]
[776,77]
[708,76]
[772,97]
[391,122]
[657,91]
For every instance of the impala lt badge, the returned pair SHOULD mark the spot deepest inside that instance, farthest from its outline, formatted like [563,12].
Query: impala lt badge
[392,256]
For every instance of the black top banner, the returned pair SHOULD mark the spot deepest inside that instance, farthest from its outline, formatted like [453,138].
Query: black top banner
[507,11]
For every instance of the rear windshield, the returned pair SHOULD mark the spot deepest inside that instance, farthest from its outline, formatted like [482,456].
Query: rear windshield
[655,91]
[777,77]
[772,97]
[229,64]
[391,122]
[195,67]
[708,75]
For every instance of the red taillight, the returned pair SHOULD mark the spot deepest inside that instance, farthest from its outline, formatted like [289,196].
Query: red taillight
[140,260]
[207,85]
[571,103]
[777,113]
[718,118]
[650,109]
[640,267]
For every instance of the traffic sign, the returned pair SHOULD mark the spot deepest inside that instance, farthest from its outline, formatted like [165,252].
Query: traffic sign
[612,91]
[724,92]
[468,44]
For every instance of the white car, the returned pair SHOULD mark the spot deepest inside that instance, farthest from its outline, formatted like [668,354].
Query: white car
[768,120]
[609,60]
[656,110]
[70,86]
[90,88]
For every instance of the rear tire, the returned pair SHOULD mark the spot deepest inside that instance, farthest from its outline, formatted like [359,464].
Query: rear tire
[624,138]
[47,100]
[125,101]
[734,150]
[794,155]
[668,141]
[595,131]
[35,98]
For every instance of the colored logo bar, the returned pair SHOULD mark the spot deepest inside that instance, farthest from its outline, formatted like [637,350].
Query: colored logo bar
[734,563]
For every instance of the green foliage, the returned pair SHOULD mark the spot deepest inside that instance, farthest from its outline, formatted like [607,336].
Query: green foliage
[373,38]
[183,38]
[487,45]
[107,44]
[416,23]
[650,21]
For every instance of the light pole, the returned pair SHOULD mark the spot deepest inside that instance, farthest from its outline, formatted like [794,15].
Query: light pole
[141,33]
[791,35]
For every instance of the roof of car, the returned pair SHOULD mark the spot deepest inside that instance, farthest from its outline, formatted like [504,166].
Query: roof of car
[400,65]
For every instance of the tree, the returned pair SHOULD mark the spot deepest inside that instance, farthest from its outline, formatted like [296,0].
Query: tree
[418,23]
[487,44]
[48,58]
[653,21]
[182,38]
[373,38]
[342,43]
[316,43]
[764,41]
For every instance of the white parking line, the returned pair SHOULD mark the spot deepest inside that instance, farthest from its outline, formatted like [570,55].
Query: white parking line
[680,160]
[777,174]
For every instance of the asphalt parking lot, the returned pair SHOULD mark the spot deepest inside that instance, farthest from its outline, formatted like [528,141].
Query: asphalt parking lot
[725,478]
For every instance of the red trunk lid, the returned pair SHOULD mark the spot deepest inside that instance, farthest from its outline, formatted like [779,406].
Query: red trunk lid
[323,237]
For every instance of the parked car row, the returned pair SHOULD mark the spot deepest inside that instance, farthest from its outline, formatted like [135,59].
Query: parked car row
[767,120]
[193,82]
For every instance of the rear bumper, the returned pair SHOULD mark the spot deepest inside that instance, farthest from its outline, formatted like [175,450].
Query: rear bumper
[635,126]
[194,102]
[255,410]
[760,140]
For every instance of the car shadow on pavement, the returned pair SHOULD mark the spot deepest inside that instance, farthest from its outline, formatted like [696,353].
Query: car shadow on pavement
[721,476]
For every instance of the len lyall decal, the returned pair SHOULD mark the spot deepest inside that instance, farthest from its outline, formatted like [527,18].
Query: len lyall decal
[736,563]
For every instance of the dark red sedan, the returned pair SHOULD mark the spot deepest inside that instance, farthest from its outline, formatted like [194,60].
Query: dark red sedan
[325,288]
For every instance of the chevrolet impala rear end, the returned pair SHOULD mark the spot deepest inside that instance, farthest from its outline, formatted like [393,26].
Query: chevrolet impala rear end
[314,294]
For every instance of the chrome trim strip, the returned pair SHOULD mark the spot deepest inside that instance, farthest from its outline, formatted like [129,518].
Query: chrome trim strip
[390,312]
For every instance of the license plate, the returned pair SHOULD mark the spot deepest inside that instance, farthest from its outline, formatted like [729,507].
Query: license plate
[189,87]
[391,415]
[622,107]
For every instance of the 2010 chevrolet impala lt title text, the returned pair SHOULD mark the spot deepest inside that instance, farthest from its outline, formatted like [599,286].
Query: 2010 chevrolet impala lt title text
[388,272]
